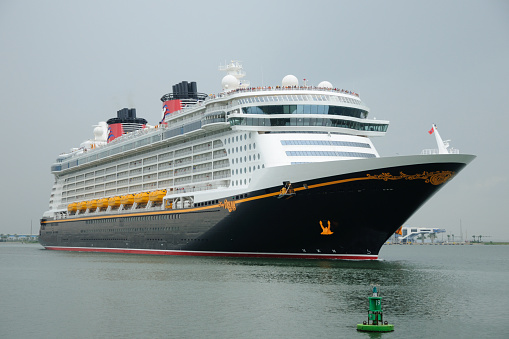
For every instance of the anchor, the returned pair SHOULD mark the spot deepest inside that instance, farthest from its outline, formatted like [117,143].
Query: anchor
[287,191]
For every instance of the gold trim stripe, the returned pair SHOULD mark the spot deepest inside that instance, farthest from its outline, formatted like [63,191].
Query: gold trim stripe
[444,176]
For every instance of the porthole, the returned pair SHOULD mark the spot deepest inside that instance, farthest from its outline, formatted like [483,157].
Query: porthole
[258,156]
[241,138]
[254,145]
[245,158]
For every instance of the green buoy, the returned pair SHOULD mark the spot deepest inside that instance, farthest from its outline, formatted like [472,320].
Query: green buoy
[375,321]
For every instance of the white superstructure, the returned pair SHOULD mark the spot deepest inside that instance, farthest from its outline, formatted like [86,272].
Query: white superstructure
[218,144]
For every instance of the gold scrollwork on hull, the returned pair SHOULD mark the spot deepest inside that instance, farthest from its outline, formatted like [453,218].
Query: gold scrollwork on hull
[434,178]
[229,205]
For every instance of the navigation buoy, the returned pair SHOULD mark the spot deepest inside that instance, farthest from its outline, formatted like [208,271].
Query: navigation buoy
[375,321]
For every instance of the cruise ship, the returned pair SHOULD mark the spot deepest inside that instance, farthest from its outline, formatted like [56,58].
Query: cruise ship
[285,171]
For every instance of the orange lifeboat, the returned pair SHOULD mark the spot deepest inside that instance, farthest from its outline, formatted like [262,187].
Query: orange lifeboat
[157,196]
[72,207]
[81,206]
[141,198]
[114,201]
[127,199]
[92,204]
[102,203]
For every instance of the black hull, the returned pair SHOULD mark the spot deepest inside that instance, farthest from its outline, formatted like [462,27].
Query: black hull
[347,216]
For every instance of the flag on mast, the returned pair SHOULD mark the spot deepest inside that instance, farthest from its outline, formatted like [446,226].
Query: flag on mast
[431,130]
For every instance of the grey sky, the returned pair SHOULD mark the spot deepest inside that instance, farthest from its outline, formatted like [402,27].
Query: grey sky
[65,65]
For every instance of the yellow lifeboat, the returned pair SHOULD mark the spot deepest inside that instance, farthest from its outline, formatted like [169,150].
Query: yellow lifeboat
[127,199]
[102,203]
[157,196]
[141,198]
[92,204]
[114,201]
[81,206]
[72,207]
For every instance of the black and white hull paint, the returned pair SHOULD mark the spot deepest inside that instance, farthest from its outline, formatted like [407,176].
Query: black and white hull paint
[338,210]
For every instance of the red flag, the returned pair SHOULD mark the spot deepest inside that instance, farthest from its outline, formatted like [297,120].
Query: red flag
[431,130]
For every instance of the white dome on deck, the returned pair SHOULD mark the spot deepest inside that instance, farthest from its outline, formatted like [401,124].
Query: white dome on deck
[230,82]
[290,81]
[325,84]
[98,132]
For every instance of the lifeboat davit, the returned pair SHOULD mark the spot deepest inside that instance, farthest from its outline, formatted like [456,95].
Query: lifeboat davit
[141,198]
[157,196]
[127,199]
[81,206]
[92,204]
[102,203]
[72,207]
[114,201]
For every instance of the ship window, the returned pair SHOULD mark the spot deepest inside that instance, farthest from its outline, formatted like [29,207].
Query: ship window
[241,138]
[237,138]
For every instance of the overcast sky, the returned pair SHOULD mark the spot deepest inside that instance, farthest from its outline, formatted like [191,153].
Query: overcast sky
[65,65]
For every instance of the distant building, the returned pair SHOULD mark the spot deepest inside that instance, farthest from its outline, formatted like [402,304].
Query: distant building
[413,234]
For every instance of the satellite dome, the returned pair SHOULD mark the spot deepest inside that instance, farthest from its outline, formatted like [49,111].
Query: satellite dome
[290,81]
[230,82]
[325,84]
[98,132]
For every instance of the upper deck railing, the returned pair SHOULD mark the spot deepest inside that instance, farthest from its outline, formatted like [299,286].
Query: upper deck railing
[280,88]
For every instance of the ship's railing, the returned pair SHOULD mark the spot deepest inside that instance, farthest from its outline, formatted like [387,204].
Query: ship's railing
[184,110]
[280,88]
[435,151]
[196,188]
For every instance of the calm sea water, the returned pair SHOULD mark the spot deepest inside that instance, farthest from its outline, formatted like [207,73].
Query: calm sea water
[428,291]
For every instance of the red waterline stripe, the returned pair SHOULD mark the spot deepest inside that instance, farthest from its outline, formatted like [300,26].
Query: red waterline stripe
[216,254]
